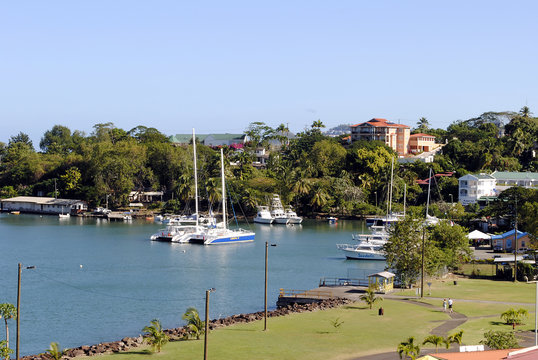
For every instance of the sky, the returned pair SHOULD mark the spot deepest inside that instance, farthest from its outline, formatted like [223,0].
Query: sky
[217,66]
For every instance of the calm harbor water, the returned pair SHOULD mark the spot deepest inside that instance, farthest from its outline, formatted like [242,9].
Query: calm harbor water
[98,281]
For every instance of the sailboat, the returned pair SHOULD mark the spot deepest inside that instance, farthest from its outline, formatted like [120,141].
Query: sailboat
[224,235]
[175,231]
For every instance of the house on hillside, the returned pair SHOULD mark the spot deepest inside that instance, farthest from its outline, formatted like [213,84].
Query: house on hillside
[419,143]
[233,140]
[395,136]
[508,179]
[473,187]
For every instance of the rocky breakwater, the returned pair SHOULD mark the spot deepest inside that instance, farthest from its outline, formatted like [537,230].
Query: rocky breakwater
[179,333]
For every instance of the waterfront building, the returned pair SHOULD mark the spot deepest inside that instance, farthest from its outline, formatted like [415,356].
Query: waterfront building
[507,179]
[43,205]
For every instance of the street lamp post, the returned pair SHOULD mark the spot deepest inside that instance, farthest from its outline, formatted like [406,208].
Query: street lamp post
[265,294]
[535,313]
[422,262]
[206,320]
[19,308]
[375,198]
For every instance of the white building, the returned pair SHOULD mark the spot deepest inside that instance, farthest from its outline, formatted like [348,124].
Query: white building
[473,187]
[43,205]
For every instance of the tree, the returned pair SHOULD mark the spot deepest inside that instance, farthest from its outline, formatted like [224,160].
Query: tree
[5,351]
[514,317]
[57,140]
[423,124]
[194,323]
[500,340]
[455,338]
[525,111]
[370,297]
[452,240]
[8,311]
[21,138]
[408,349]
[435,340]
[155,335]
[55,352]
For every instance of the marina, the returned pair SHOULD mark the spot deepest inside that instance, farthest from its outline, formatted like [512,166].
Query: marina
[97,280]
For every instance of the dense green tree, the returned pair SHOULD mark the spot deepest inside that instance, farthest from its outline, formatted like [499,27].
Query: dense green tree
[57,140]
[55,352]
[21,138]
[452,241]
[500,340]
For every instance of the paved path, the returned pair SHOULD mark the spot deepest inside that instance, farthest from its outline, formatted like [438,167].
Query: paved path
[456,319]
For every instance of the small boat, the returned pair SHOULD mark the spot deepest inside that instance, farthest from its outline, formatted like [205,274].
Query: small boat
[263,216]
[292,216]
[15,212]
[64,216]
[332,219]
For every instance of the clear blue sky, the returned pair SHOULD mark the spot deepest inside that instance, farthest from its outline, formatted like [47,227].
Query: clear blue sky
[219,65]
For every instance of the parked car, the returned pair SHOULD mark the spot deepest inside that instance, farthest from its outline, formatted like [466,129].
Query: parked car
[521,250]
[498,248]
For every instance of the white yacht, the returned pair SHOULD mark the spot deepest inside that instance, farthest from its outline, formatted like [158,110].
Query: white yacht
[263,216]
[364,250]
[277,211]
[292,216]
[174,233]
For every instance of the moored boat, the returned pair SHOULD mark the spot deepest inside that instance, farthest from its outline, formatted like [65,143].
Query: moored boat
[263,216]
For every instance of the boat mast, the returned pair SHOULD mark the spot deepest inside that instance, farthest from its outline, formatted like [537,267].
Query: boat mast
[405,195]
[391,182]
[195,177]
[428,200]
[223,188]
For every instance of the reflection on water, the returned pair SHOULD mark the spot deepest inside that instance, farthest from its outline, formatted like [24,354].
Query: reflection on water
[126,280]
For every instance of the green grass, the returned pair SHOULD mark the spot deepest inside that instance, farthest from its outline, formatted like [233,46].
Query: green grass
[479,289]
[482,269]
[308,335]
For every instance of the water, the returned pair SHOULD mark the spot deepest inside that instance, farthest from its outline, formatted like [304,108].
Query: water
[98,281]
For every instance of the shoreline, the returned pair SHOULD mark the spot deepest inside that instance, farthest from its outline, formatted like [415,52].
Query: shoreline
[177,334]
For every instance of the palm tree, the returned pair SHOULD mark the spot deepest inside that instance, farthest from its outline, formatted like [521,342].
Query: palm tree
[8,311]
[302,186]
[55,352]
[408,349]
[319,197]
[455,338]
[525,112]
[423,123]
[194,323]
[155,335]
[435,340]
[5,351]
[370,298]
[318,124]
[514,317]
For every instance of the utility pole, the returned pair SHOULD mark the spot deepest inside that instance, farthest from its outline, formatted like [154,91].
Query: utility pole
[17,352]
[515,246]
[206,320]
[422,267]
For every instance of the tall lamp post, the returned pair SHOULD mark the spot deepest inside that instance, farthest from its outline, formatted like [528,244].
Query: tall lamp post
[265,294]
[206,320]
[19,308]
[422,262]
[535,313]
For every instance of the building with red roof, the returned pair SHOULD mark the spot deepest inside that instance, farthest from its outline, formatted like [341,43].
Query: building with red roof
[395,136]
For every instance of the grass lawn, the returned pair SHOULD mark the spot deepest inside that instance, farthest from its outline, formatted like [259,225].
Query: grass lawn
[479,289]
[309,335]
[482,269]
[483,317]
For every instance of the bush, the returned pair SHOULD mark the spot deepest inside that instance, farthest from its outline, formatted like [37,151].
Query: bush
[500,340]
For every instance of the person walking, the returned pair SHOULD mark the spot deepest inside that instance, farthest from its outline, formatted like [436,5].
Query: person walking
[444,305]
[450,302]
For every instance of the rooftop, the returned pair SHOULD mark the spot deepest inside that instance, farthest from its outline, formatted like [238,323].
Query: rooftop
[379,122]
[514,175]
[42,200]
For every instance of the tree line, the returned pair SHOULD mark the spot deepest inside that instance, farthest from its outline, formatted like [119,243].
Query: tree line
[311,171]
